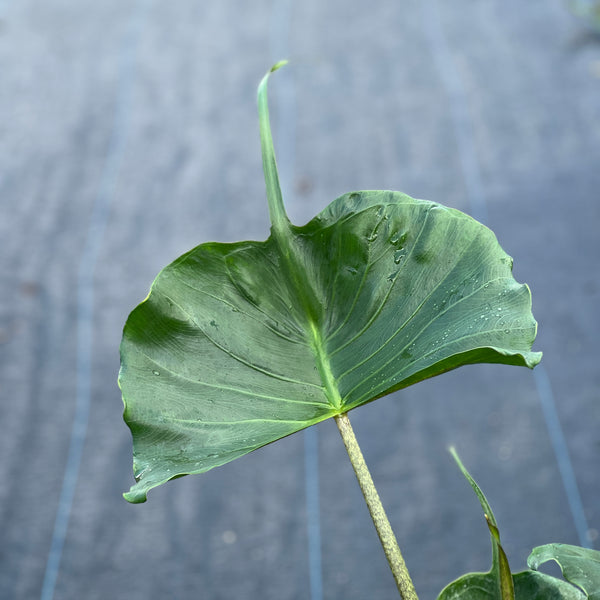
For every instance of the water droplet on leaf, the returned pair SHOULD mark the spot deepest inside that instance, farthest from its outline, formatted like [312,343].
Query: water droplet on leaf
[398,256]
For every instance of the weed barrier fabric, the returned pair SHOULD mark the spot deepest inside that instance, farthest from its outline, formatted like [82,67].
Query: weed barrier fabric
[375,113]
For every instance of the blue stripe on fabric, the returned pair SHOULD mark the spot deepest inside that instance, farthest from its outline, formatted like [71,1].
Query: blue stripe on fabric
[85,295]
[313,511]
[561,450]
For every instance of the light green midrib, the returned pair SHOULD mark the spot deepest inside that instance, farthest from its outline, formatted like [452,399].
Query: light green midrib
[324,367]
[283,238]
[301,286]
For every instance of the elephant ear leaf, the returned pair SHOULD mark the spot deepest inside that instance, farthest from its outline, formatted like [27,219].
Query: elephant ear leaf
[238,345]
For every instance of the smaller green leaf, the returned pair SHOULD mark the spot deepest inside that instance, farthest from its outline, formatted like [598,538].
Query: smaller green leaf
[472,586]
[500,566]
[580,566]
[531,585]
[497,584]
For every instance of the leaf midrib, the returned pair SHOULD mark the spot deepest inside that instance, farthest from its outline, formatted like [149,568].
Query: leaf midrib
[324,368]
[304,293]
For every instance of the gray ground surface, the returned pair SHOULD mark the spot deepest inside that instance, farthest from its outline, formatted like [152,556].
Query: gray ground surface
[129,134]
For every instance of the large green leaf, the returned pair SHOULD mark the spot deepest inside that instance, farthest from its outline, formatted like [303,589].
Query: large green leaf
[498,583]
[238,345]
[580,566]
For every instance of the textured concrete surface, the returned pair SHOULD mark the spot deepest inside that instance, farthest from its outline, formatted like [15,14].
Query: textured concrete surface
[129,134]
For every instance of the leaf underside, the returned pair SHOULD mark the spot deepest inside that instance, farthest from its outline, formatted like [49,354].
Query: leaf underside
[238,345]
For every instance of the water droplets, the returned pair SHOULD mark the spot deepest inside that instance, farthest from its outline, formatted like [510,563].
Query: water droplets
[436,206]
[399,239]
[372,236]
[398,256]
[351,270]
[143,472]
[155,372]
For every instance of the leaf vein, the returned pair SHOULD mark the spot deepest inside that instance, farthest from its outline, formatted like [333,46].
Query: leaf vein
[300,341]
[374,317]
[231,388]
[243,361]
[401,350]
[417,309]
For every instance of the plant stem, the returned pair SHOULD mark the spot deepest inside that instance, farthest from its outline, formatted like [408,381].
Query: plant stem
[380,520]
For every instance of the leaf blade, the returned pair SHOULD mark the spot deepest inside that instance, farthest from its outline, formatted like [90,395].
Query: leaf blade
[238,345]
[415,283]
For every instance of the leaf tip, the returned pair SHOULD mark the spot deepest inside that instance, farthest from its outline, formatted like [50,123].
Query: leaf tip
[534,359]
[134,496]
[454,454]
[278,65]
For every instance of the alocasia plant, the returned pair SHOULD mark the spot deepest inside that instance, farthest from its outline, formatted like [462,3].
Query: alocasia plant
[238,345]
